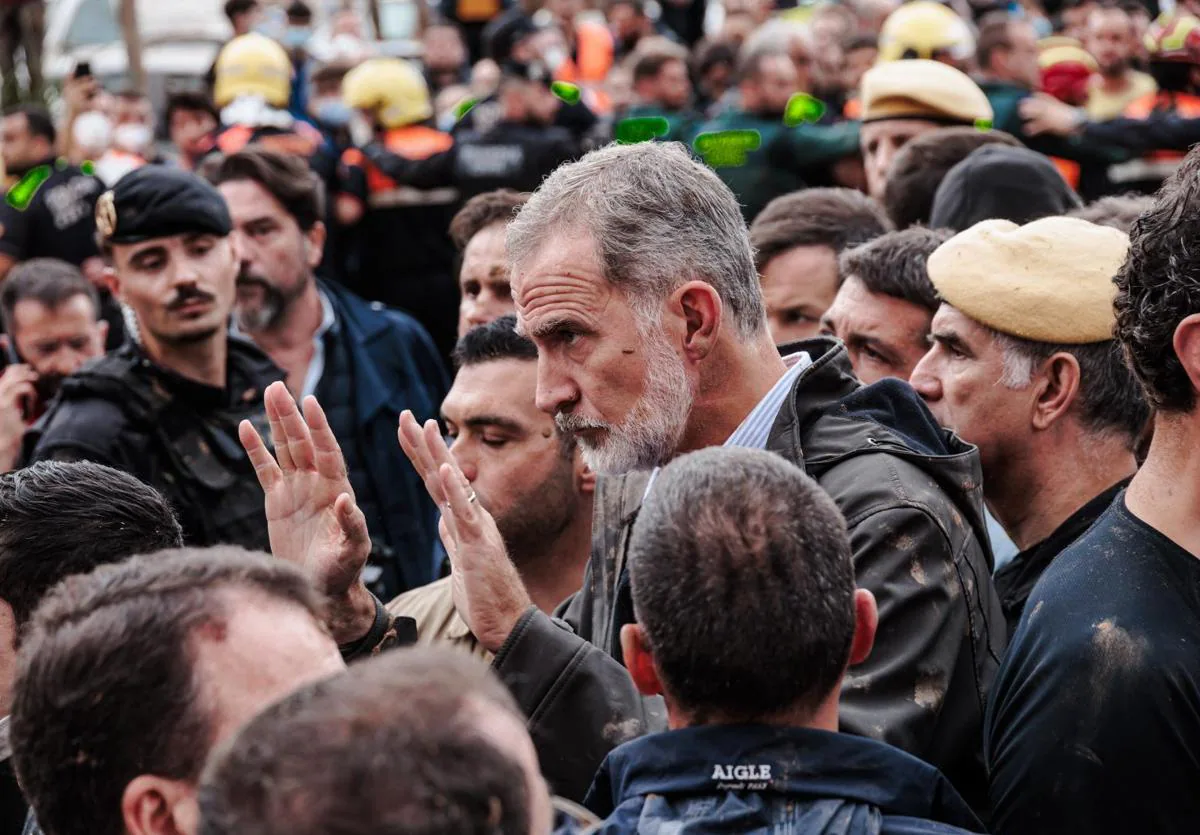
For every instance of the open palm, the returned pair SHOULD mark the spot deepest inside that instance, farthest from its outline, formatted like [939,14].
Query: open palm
[312,518]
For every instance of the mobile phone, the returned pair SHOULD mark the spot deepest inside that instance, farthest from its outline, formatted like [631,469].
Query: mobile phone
[83,69]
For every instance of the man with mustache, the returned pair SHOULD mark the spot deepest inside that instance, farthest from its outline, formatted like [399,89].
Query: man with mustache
[166,407]
[364,362]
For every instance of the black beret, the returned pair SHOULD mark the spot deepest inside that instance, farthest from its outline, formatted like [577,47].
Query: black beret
[155,201]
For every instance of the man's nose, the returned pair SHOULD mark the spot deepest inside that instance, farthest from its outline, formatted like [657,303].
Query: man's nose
[925,382]
[555,390]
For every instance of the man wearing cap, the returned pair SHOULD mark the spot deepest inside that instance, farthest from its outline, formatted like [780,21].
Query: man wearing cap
[904,99]
[1023,365]
[167,407]
[998,182]
[1093,724]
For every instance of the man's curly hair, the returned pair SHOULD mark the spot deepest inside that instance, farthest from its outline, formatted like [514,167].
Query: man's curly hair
[1159,285]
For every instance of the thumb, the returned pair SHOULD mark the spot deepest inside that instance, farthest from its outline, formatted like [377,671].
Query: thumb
[351,520]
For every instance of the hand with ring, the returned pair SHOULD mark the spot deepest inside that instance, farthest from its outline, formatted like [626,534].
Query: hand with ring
[487,589]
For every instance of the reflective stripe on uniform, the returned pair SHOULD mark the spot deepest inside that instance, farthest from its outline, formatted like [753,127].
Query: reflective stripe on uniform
[409,196]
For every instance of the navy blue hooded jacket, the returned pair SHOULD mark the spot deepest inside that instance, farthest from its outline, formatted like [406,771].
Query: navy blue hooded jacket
[761,779]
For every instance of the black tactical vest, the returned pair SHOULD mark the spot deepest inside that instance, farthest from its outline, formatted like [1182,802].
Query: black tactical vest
[188,452]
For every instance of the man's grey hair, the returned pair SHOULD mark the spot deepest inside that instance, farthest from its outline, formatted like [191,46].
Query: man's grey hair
[657,218]
[1111,403]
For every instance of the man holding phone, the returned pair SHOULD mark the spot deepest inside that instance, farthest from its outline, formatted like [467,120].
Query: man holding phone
[51,314]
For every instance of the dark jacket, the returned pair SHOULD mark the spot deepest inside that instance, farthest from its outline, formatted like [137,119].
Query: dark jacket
[794,780]
[175,434]
[393,366]
[911,495]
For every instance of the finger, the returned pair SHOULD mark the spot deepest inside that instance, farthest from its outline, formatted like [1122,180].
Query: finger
[21,391]
[330,462]
[299,442]
[436,445]
[465,513]
[448,540]
[352,519]
[264,463]
[413,443]
[274,393]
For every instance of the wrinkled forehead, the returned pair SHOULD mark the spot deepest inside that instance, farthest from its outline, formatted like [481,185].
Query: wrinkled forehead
[564,274]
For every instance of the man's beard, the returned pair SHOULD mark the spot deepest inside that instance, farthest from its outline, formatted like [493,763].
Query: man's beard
[650,434]
[536,520]
[268,313]
[1115,68]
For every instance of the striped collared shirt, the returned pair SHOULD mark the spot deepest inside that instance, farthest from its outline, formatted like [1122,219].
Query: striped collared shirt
[756,428]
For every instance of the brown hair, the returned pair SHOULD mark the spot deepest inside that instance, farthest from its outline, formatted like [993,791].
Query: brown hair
[922,164]
[418,710]
[286,177]
[482,210]
[834,217]
[105,689]
[46,280]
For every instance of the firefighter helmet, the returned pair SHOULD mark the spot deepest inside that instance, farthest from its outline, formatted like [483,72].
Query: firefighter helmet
[925,29]
[255,65]
[392,89]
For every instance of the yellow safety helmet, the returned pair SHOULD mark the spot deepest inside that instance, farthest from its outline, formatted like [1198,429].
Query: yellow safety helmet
[392,89]
[1174,40]
[254,65]
[925,29]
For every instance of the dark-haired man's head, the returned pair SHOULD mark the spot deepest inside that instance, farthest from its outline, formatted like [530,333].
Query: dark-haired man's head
[51,314]
[191,118]
[767,78]
[276,203]
[526,472]
[920,166]
[128,676]
[886,303]
[743,592]
[27,137]
[59,519]
[1006,50]
[478,232]
[797,239]
[243,15]
[660,77]
[1158,298]
[1111,40]
[459,760]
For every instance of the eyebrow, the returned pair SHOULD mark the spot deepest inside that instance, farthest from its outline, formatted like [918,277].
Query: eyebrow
[550,327]
[949,339]
[143,254]
[484,421]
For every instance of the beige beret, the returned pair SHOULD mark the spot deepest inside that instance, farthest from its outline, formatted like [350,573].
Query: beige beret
[1046,281]
[919,89]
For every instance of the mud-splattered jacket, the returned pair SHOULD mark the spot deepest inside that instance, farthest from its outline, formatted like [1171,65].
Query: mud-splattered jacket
[1094,724]
[752,778]
[911,495]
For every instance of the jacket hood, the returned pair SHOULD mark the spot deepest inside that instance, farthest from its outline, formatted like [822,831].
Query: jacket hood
[831,416]
[799,763]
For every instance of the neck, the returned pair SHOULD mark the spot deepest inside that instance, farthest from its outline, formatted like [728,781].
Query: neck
[824,718]
[297,325]
[1032,498]
[1165,494]
[1115,82]
[737,377]
[556,571]
[202,362]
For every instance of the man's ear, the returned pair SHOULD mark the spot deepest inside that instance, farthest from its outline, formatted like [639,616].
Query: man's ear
[102,330]
[866,621]
[638,660]
[1057,388]
[1187,347]
[153,805]
[314,245]
[701,307]
[112,281]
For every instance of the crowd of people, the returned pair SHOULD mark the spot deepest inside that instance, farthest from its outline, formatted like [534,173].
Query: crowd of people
[385,449]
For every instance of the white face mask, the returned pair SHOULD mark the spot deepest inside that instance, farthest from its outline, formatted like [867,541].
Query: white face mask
[132,137]
[92,132]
